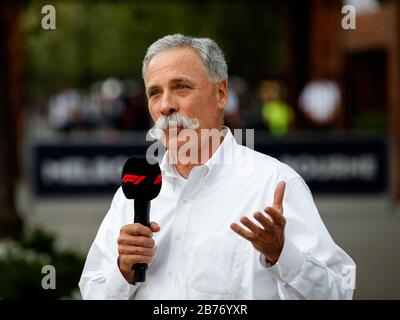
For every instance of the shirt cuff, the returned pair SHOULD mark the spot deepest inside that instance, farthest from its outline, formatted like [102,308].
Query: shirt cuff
[288,264]
[117,284]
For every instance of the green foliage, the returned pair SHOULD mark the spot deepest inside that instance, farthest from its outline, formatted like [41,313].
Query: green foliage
[21,266]
[98,39]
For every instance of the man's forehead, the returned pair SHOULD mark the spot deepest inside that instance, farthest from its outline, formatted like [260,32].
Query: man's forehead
[173,64]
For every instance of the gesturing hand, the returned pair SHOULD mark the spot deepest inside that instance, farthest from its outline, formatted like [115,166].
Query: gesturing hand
[269,238]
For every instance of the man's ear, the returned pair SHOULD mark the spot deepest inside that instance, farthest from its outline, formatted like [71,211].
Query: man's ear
[222,94]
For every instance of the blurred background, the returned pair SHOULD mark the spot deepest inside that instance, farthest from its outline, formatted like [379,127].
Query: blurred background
[318,81]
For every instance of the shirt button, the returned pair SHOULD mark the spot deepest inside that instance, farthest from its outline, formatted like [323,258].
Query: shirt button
[178,237]
[284,274]
[169,274]
[185,200]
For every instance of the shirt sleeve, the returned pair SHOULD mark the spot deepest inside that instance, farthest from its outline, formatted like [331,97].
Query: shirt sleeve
[311,265]
[101,278]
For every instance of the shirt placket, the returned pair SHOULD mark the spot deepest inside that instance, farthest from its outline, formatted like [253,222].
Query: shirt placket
[180,234]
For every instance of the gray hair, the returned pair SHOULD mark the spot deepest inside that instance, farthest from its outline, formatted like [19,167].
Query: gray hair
[209,52]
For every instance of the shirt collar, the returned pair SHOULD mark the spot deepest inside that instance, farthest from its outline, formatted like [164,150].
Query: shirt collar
[222,155]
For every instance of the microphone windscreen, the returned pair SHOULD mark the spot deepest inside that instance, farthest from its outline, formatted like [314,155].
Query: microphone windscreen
[141,180]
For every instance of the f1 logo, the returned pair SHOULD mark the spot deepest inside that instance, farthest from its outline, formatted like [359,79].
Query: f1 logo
[135,179]
[158,179]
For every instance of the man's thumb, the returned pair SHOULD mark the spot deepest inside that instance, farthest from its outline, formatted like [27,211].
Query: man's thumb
[154,227]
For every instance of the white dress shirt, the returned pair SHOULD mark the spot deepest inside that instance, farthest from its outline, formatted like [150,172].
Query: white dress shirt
[198,256]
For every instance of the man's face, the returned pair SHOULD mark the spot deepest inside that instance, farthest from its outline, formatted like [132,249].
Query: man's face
[176,81]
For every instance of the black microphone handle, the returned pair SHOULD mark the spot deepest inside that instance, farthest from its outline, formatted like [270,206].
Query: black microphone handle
[142,216]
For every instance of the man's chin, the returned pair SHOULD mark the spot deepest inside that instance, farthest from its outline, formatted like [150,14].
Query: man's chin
[173,143]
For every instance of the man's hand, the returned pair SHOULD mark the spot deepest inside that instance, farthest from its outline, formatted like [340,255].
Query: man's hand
[269,238]
[135,246]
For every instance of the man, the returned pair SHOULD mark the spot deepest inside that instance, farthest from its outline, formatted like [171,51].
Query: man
[197,248]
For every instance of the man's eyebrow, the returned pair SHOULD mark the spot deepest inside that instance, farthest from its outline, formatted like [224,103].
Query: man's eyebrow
[174,80]
[182,79]
[152,87]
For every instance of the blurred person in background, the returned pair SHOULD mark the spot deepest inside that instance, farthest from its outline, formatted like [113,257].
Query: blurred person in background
[320,101]
[135,116]
[232,110]
[276,114]
[111,103]
[64,110]
[247,102]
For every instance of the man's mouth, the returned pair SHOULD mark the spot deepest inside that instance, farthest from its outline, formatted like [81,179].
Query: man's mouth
[173,129]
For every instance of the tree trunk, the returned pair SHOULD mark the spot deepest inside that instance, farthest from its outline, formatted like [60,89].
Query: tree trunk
[10,113]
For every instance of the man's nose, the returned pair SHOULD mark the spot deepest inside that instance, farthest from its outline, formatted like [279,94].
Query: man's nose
[168,104]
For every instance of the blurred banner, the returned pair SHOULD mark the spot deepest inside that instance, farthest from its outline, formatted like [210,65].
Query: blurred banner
[332,166]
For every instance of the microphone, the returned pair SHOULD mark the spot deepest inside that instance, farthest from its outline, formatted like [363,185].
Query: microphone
[141,181]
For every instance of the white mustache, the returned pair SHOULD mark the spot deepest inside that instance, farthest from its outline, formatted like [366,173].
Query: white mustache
[173,120]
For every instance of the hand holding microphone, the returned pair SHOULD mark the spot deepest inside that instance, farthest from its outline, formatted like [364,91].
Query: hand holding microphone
[135,246]
[141,181]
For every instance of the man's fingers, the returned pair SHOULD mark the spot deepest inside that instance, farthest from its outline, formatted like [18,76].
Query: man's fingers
[139,241]
[154,227]
[276,216]
[137,229]
[242,232]
[278,195]
[133,250]
[128,260]
[257,231]
[264,220]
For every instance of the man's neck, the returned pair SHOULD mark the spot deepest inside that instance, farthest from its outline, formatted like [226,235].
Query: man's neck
[204,155]
[185,169]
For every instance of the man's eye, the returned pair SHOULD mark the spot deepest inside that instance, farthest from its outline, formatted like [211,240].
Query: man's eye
[181,86]
[152,93]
